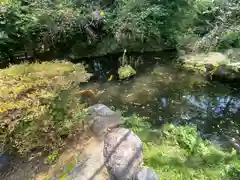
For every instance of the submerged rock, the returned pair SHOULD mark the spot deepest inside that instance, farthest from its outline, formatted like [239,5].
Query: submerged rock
[146,173]
[122,153]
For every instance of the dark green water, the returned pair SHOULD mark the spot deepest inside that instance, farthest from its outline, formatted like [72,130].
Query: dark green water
[167,94]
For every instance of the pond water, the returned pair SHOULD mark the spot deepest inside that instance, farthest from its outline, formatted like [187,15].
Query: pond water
[164,94]
[167,94]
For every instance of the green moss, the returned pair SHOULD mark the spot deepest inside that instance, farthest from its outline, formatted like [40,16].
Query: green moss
[35,101]
[177,152]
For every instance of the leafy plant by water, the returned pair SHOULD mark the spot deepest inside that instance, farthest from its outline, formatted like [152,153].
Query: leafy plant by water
[177,152]
[126,70]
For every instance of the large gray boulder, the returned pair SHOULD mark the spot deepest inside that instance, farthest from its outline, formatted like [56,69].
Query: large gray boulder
[122,149]
[146,173]
[103,119]
[122,153]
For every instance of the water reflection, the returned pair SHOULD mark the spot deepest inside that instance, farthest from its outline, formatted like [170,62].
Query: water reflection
[215,113]
[166,94]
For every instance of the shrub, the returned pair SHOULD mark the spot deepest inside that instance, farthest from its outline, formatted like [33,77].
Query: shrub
[52,26]
[229,39]
[60,26]
[178,152]
[37,106]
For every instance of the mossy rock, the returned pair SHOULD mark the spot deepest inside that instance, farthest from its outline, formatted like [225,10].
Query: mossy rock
[198,62]
[37,106]
[212,63]
[126,71]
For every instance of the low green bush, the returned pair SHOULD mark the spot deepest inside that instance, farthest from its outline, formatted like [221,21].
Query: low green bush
[177,152]
[38,108]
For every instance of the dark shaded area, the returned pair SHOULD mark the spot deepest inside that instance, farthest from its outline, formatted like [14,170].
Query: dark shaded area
[104,66]
[21,166]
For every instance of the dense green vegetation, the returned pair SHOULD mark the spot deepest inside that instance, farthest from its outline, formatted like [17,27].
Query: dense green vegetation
[39,108]
[177,152]
[35,27]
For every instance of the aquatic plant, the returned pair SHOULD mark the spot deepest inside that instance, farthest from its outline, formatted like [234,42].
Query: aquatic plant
[125,70]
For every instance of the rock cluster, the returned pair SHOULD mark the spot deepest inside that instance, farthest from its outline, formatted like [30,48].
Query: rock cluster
[122,149]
